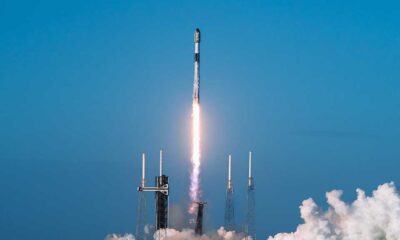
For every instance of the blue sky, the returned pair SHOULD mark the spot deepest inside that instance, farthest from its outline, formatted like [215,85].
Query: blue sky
[310,87]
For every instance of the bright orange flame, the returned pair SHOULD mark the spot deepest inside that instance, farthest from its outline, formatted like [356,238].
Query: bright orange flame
[195,174]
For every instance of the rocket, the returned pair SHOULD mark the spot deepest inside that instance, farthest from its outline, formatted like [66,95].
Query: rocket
[196,83]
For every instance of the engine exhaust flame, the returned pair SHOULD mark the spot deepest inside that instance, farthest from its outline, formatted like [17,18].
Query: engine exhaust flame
[194,190]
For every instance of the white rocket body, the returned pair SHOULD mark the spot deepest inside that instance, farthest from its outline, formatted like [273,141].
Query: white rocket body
[196,83]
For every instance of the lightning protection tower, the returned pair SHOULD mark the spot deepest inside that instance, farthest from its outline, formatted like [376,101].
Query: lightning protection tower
[229,203]
[250,228]
[141,211]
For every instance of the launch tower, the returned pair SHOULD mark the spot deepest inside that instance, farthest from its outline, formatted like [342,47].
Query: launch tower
[161,203]
[161,194]
[250,211]
[199,220]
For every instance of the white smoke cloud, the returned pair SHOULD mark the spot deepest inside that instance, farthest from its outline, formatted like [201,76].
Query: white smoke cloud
[120,237]
[185,234]
[375,217]
[188,234]
[367,218]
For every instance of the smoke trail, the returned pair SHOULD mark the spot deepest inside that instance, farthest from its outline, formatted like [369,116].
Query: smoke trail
[194,191]
[367,218]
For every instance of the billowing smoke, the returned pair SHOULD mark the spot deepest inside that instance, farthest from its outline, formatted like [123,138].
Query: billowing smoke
[120,237]
[188,234]
[368,218]
[375,217]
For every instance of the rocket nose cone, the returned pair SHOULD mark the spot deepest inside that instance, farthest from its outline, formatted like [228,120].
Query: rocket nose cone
[197,35]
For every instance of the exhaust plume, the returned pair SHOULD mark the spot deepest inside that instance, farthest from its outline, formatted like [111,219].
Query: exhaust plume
[194,191]
[368,218]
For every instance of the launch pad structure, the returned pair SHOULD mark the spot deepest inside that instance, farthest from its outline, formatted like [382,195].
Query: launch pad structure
[161,190]
[198,230]
[161,203]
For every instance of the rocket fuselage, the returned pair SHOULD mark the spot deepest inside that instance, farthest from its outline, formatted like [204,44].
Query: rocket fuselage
[196,83]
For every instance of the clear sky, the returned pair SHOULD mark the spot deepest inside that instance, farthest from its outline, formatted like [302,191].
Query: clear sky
[311,87]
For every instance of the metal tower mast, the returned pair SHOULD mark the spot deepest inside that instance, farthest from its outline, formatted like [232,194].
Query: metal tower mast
[141,211]
[229,203]
[250,229]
